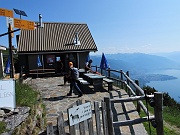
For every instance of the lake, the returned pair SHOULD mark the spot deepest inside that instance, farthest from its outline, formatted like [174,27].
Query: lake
[170,86]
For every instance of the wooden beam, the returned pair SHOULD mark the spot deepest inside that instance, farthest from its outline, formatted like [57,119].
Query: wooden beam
[132,122]
[129,99]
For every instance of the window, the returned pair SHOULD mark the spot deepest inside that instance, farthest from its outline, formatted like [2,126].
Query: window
[50,58]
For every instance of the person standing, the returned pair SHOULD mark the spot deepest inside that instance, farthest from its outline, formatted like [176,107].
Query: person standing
[73,78]
[88,66]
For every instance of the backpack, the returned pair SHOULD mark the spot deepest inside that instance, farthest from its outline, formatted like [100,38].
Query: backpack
[75,73]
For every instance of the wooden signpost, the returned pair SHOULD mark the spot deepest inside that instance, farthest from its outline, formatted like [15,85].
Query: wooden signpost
[5,12]
[17,23]
[23,24]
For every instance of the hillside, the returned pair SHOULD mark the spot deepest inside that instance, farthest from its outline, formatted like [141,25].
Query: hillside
[139,65]
[170,55]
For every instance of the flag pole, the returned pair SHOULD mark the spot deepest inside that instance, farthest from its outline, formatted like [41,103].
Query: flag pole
[37,65]
[37,70]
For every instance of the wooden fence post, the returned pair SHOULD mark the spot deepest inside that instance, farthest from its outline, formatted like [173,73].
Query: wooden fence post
[109,73]
[104,118]
[128,91]
[90,123]
[109,115]
[97,116]
[49,129]
[96,68]
[137,93]
[60,122]
[158,98]
[121,74]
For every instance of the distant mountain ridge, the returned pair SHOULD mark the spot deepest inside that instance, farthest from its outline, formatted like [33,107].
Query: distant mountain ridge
[139,65]
[138,61]
[170,55]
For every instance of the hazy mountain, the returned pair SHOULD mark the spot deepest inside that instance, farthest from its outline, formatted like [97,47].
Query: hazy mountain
[138,62]
[114,64]
[170,55]
[139,65]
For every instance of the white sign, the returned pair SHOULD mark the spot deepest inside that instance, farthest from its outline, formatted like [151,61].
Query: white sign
[79,113]
[10,20]
[7,93]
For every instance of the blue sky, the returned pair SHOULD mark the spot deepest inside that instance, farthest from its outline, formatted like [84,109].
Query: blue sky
[117,26]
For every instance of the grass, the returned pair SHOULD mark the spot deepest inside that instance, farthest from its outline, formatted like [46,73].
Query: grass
[172,116]
[25,96]
[169,115]
[167,130]
[2,127]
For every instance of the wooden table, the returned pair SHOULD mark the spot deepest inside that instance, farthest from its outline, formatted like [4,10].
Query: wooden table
[95,80]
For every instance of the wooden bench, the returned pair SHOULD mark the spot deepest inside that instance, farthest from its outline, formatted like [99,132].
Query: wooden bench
[83,83]
[109,82]
[41,71]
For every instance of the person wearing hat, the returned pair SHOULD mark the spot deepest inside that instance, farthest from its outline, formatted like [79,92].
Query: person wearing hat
[73,82]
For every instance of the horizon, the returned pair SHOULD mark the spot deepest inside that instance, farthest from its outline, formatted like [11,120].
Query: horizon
[157,53]
[116,26]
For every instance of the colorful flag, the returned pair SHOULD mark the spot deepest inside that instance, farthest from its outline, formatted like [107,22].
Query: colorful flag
[7,68]
[39,62]
[104,64]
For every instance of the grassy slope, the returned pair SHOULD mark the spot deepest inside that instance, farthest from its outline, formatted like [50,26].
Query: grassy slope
[171,122]
[26,96]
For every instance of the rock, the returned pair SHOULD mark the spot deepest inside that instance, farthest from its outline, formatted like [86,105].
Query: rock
[1,119]
[7,109]
[16,111]
[23,110]
[2,113]
[15,120]
[16,117]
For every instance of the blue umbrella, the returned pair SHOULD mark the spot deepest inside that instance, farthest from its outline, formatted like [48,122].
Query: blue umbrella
[104,64]
[7,68]
[39,62]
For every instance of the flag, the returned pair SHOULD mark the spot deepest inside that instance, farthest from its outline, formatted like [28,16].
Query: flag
[104,64]
[39,62]
[7,68]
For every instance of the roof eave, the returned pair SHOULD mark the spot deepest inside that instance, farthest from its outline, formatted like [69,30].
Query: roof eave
[51,52]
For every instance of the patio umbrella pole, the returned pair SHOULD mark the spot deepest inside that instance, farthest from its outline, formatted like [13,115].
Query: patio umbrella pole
[37,71]
[43,62]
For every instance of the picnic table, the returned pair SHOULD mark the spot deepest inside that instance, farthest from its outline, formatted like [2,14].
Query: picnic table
[95,80]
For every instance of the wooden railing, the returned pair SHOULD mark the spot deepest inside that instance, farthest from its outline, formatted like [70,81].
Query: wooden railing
[135,94]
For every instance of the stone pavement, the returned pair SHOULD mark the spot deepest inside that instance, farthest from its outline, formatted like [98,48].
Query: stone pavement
[53,93]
